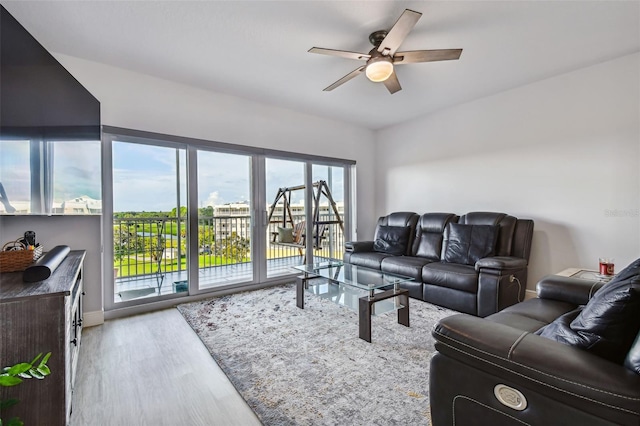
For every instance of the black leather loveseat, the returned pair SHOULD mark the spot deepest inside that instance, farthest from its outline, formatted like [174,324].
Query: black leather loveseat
[545,361]
[475,263]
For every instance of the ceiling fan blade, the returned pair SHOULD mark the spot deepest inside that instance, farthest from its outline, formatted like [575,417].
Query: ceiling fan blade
[341,53]
[414,56]
[346,78]
[398,32]
[392,83]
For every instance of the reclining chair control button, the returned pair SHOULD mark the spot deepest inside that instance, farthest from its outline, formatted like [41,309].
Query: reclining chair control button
[510,397]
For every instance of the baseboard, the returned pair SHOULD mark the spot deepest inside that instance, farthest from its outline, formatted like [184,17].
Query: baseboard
[173,302]
[530,294]
[89,319]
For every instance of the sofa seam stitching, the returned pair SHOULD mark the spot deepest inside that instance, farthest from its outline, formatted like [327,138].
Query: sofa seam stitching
[541,372]
[484,405]
[513,347]
[497,305]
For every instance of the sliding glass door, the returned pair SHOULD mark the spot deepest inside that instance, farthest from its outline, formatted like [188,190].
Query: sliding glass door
[292,203]
[329,216]
[286,215]
[224,219]
[188,217]
[149,220]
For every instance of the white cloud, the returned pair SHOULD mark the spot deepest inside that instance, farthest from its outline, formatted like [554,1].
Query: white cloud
[212,200]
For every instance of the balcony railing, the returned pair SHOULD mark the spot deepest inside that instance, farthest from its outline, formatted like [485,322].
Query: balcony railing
[147,247]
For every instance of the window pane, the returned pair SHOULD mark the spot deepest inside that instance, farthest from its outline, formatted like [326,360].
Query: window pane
[224,219]
[15,177]
[149,221]
[330,180]
[50,177]
[285,192]
[77,178]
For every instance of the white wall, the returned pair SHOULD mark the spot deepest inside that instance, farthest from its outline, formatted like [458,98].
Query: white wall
[564,152]
[141,102]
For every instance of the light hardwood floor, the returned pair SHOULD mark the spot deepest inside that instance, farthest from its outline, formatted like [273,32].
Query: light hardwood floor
[152,369]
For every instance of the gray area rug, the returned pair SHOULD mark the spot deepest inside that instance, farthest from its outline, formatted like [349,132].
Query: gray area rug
[308,367]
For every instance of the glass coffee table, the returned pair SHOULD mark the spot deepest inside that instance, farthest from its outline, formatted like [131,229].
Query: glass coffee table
[369,291]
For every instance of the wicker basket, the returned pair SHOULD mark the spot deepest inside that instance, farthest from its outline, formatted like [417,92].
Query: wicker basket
[18,260]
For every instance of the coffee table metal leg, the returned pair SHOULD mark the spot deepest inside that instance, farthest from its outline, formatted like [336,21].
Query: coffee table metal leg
[364,320]
[403,313]
[365,309]
[300,284]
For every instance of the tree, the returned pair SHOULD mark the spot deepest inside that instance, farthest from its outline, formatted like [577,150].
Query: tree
[233,247]
[183,212]
[124,241]
[205,236]
[154,245]
[205,211]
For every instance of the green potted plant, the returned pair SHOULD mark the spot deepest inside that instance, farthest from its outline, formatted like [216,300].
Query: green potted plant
[14,375]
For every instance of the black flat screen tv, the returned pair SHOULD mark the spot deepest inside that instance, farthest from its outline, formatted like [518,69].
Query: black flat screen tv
[39,98]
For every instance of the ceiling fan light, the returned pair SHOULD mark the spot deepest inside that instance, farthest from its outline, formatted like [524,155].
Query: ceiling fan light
[379,70]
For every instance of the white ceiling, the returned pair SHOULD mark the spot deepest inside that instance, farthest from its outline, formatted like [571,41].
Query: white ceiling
[258,49]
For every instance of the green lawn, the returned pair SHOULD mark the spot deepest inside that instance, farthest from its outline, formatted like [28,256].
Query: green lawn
[132,267]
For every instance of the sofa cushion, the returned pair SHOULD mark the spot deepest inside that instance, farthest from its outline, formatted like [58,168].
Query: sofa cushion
[408,219]
[632,361]
[532,314]
[451,275]
[285,235]
[560,328]
[609,322]
[506,228]
[520,322]
[429,234]
[468,243]
[369,259]
[405,265]
[451,298]
[392,240]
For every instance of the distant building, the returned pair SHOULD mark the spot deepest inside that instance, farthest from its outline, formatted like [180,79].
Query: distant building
[80,205]
[236,217]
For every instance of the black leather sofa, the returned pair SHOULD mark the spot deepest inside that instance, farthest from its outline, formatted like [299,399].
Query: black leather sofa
[500,370]
[436,254]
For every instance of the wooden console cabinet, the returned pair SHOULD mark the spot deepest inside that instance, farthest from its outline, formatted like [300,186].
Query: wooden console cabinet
[38,318]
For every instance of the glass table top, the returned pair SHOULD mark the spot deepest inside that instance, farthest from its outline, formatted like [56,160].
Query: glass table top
[349,296]
[352,275]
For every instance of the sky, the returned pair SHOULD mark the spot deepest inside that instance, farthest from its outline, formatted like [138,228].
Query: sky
[144,178]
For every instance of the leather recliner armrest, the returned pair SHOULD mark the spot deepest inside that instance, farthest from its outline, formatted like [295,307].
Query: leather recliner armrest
[501,263]
[559,371]
[565,289]
[495,290]
[358,246]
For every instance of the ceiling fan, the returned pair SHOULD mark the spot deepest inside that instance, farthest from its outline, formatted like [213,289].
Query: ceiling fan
[380,61]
